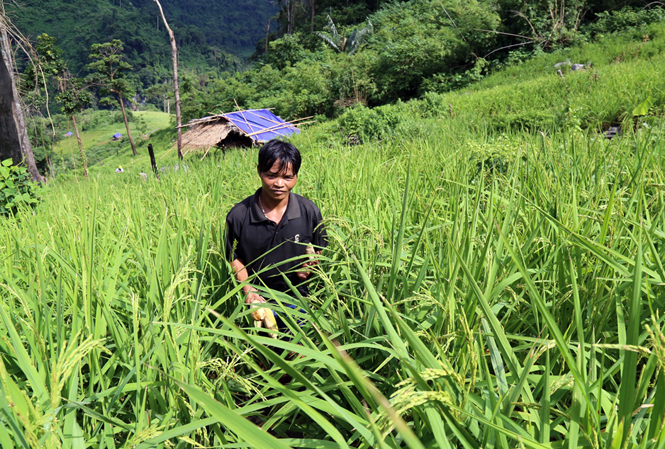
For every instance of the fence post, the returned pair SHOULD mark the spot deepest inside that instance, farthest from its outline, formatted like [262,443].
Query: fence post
[152,160]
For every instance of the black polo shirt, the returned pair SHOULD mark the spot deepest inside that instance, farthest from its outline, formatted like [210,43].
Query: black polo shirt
[254,236]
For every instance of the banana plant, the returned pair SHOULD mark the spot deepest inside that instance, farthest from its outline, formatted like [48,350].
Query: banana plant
[341,43]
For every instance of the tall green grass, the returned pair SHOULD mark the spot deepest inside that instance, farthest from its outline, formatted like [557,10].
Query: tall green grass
[484,287]
[621,73]
[459,305]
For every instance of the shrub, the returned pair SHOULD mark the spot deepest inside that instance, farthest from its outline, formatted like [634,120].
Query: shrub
[368,123]
[16,188]
[117,117]
[626,18]
[285,51]
[445,82]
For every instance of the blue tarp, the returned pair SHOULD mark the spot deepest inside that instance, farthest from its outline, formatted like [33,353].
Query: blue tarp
[261,124]
[117,136]
[68,133]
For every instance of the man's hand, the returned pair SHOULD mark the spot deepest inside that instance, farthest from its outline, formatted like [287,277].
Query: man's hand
[253,297]
[304,273]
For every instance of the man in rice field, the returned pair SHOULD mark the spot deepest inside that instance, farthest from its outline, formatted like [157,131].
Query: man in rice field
[269,233]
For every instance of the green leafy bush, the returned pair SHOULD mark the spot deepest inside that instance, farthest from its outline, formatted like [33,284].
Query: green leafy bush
[16,188]
[285,51]
[445,82]
[376,123]
[416,40]
[617,21]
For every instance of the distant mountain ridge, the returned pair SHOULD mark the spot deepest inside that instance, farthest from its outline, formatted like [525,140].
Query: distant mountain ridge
[217,34]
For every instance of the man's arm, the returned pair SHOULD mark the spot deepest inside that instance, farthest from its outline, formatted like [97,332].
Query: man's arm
[239,269]
[250,292]
[320,240]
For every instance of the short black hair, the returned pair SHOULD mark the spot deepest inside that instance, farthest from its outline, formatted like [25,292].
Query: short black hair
[284,152]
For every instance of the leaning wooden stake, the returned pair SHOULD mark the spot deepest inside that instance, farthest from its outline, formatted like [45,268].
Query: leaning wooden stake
[152,160]
[174,52]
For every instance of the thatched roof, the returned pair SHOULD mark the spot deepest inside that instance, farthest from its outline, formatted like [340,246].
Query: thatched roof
[241,128]
[207,132]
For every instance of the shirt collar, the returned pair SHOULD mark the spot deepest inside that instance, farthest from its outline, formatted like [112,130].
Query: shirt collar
[257,215]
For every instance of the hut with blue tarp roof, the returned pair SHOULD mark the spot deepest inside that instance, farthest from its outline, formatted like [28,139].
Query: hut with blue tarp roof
[235,129]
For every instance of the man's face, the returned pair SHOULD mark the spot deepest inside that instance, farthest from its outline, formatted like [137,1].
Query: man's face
[276,182]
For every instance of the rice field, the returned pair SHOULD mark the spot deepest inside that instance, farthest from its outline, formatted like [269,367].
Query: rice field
[484,287]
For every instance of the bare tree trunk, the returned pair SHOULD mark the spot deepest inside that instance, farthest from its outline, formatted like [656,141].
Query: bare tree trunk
[174,53]
[288,17]
[267,36]
[14,140]
[78,138]
[313,5]
[124,115]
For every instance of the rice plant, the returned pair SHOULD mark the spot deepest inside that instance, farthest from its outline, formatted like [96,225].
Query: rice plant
[480,290]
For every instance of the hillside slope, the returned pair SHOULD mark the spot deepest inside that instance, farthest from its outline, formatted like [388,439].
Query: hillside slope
[212,34]
[626,71]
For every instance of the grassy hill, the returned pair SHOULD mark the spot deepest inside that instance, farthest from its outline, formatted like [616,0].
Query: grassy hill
[625,70]
[494,279]
[104,153]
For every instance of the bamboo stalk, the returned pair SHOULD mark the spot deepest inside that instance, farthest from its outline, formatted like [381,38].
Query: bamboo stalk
[274,128]
[282,124]
[206,153]
[243,115]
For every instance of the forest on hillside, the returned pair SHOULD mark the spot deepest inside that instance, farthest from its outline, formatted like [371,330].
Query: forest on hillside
[372,53]
[318,58]
[216,35]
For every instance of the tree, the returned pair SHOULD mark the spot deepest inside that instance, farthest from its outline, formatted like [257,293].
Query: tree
[47,62]
[174,54]
[14,141]
[47,67]
[419,39]
[109,74]
[74,99]
[284,51]
[341,43]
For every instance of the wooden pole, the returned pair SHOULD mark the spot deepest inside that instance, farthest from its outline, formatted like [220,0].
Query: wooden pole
[152,160]
[174,53]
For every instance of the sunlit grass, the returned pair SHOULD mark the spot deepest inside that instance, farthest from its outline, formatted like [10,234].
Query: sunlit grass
[455,307]
[102,134]
[481,289]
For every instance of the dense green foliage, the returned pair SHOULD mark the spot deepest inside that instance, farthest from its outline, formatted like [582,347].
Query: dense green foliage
[626,71]
[489,282]
[75,98]
[210,34]
[324,57]
[409,43]
[16,188]
[414,48]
